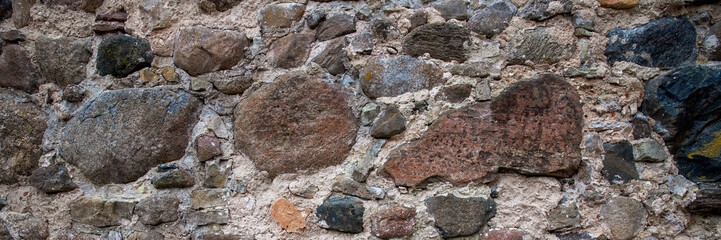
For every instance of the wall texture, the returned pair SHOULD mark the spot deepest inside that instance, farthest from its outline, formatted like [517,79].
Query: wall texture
[413,119]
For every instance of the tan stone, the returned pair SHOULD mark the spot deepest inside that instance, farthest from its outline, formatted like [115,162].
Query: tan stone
[288,216]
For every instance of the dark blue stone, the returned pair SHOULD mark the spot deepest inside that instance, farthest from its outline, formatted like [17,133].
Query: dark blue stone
[665,43]
[343,214]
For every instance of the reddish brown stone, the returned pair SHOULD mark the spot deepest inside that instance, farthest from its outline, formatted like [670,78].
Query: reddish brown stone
[534,127]
[288,216]
[393,221]
[291,51]
[105,27]
[504,234]
[295,123]
[200,50]
[208,147]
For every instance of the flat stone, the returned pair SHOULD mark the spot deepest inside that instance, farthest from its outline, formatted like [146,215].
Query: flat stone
[27,226]
[77,5]
[12,36]
[585,72]
[283,130]
[335,26]
[618,4]
[443,41]
[288,216]
[396,75]
[452,9]
[52,179]
[334,57]
[576,236]
[493,19]
[546,144]
[625,217]
[707,202]
[145,236]
[564,217]
[538,46]
[99,212]
[157,209]
[684,103]
[472,69]
[16,70]
[455,93]
[390,123]
[19,146]
[315,18]
[666,42]
[483,90]
[108,27]
[63,59]
[221,5]
[222,236]
[699,2]
[290,51]
[208,147]
[200,50]
[216,173]
[349,186]
[6,9]
[280,15]
[341,214]
[541,10]
[458,217]
[120,55]
[179,178]
[207,198]
[649,150]
[712,42]
[112,16]
[369,112]
[618,162]
[121,134]
[210,216]
[393,221]
[506,234]
[303,190]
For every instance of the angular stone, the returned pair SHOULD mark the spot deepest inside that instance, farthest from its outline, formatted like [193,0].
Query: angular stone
[27,226]
[63,60]
[113,16]
[625,217]
[12,36]
[564,217]
[618,4]
[207,198]
[121,134]
[584,72]
[99,212]
[393,221]
[545,144]
[210,216]
[350,187]
[455,93]
[363,166]
[649,150]
[335,26]
[452,9]
[200,84]
[170,75]
[290,51]
[341,214]
[506,234]
[315,18]
[148,76]
[283,130]
[6,9]
[179,178]
[288,216]
[222,5]
[231,83]
[108,27]
[200,50]
[280,15]
[120,55]
[22,125]
[483,90]
[52,179]
[666,42]
[618,163]
[16,70]
[493,19]
[389,123]
[77,5]
[393,76]
[363,43]
[383,28]
[21,12]
[458,217]
[712,42]
[445,41]
[707,202]
[369,112]
[473,69]
[540,10]
[145,236]
[208,147]
[418,18]
[155,14]
[3,203]
[538,46]
[641,127]
[157,209]
[685,102]
[303,190]
[334,57]
[216,173]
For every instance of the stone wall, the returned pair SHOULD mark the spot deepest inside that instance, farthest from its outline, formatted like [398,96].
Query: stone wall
[412,119]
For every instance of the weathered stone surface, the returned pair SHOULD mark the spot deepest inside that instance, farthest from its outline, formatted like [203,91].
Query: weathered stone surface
[122,134]
[73,93]
[303,190]
[351,187]
[21,12]
[390,123]
[315,18]
[483,90]
[625,217]
[384,28]
[120,55]
[4,232]
[108,27]
[334,57]
[157,209]
[451,9]
[210,216]
[455,93]
[363,43]
[649,150]
[685,102]
[577,236]
[62,60]
[534,127]
[208,147]
[280,15]
[540,10]
[3,203]
[457,217]
[12,36]
[393,76]
[154,14]
[564,217]
[538,46]
[341,214]
[6,9]
[22,125]
[27,226]
[99,212]
[505,234]
[393,221]
[618,4]
[207,198]
[145,236]
[472,69]
[369,112]
[52,179]
[618,163]
[493,19]
[290,51]
[418,18]
[216,173]
[283,130]
[77,5]
[362,168]
[712,42]
[200,50]
[641,127]
[220,5]
[288,216]
[707,202]
[335,26]
[16,70]
[443,41]
[666,42]
[231,83]
[200,84]
[178,178]
[113,16]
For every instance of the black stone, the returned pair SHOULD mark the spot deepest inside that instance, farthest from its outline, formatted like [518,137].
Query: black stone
[618,163]
[6,9]
[342,214]
[52,179]
[493,19]
[665,43]
[686,104]
[539,10]
[641,127]
[443,41]
[457,217]
[121,55]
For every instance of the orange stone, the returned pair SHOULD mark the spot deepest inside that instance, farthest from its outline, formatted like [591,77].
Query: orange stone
[618,4]
[290,217]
